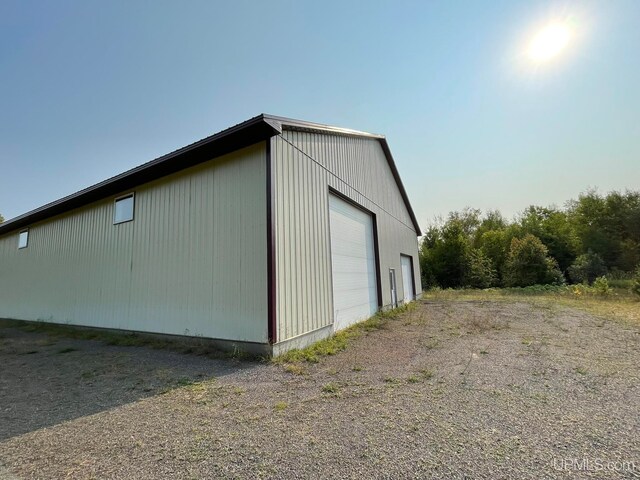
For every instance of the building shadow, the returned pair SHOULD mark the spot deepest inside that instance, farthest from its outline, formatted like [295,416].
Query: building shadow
[46,380]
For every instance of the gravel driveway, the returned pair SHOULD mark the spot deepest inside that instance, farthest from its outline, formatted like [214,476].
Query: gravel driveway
[451,389]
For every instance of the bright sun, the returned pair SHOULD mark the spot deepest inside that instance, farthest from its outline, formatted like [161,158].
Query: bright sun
[549,42]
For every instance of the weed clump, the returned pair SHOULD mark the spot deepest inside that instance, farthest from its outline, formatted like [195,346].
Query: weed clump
[601,286]
[340,340]
[331,388]
[280,406]
[635,285]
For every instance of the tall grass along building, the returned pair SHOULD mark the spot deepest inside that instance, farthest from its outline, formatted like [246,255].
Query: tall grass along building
[268,235]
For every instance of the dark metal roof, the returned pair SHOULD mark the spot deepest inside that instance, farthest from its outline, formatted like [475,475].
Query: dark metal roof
[247,133]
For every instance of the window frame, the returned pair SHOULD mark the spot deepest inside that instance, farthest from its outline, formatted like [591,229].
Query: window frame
[26,242]
[132,196]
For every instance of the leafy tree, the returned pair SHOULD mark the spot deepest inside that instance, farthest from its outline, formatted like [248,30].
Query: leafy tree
[1,219]
[493,221]
[609,226]
[587,268]
[468,220]
[447,258]
[629,254]
[554,229]
[480,272]
[445,253]
[427,257]
[494,245]
[528,263]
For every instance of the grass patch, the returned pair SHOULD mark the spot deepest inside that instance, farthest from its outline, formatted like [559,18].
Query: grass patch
[331,388]
[280,406]
[620,283]
[620,305]
[295,368]
[484,324]
[238,391]
[185,382]
[340,340]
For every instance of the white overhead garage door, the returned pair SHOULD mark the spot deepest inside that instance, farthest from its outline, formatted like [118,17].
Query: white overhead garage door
[407,278]
[355,294]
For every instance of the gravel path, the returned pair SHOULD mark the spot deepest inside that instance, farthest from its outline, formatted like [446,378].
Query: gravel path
[452,389]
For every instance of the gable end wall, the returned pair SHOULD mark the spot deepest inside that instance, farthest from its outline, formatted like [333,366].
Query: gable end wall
[305,166]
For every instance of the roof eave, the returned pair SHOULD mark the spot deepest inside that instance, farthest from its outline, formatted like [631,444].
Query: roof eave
[239,136]
[403,192]
[303,125]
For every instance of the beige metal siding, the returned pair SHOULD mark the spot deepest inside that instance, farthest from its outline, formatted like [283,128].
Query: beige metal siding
[192,262]
[305,166]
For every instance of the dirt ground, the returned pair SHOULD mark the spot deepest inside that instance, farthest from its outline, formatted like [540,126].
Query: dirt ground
[451,389]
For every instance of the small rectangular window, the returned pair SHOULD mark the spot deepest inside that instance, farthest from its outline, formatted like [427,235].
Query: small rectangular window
[123,211]
[23,239]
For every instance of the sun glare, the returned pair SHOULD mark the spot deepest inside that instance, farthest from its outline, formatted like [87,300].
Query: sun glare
[549,42]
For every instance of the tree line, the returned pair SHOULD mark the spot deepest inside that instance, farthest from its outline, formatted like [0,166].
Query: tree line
[589,237]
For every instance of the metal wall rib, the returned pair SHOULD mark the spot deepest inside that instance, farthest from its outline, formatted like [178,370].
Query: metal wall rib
[305,166]
[192,262]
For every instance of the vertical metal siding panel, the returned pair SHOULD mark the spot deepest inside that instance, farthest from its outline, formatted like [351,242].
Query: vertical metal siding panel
[327,298]
[314,219]
[294,271]
[308,246]
[282,275]
[285,244]
[304,321]
[291,254]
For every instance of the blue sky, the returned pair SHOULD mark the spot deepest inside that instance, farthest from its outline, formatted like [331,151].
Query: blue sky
[90,89]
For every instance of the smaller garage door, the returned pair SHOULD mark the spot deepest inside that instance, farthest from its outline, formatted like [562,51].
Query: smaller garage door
[407,278]
[353,265]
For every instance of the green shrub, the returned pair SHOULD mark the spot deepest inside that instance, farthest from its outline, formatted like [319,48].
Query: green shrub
[601,286]
[528,264]
[587,267]
[635,286]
